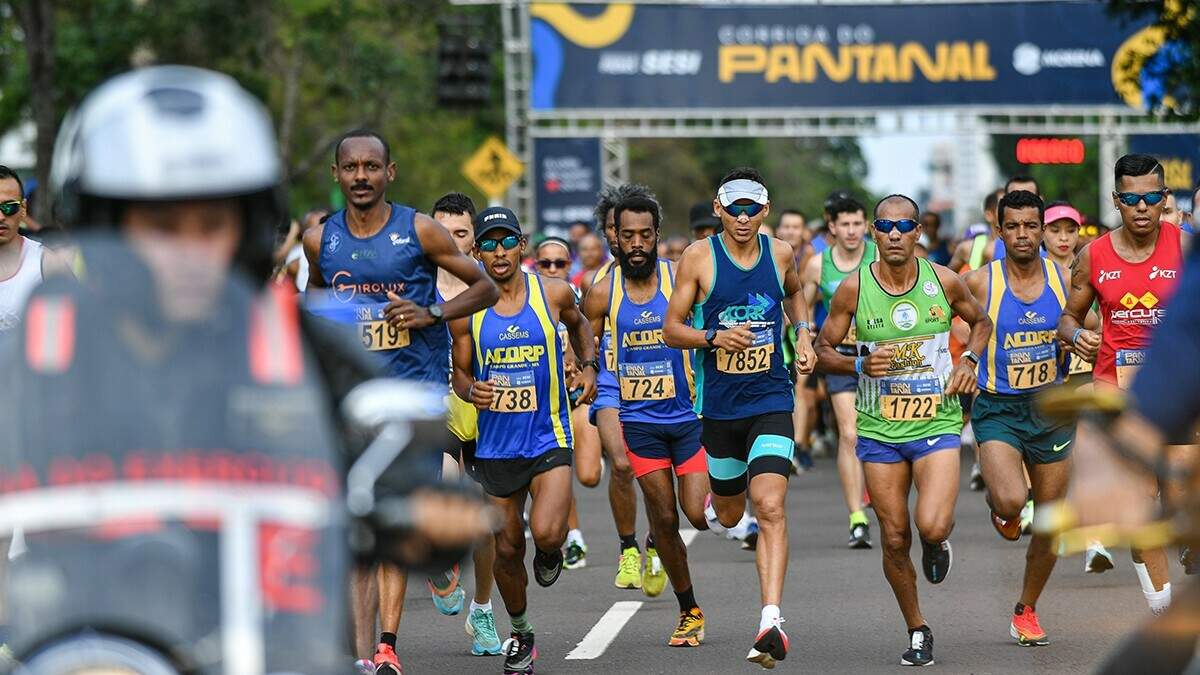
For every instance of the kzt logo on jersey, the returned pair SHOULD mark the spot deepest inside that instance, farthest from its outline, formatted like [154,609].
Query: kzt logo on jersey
[1108,276]
[1158,273]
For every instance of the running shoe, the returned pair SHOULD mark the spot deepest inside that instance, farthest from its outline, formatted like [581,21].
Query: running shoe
[860,536]
[1097,560]
[447,595]
[1027,517]
[976,484]
[1008,529]
[519,653]
[364,667]
[936,559]
[386,662]
[629,569]
[576,556]
[770,646]
[1190,565]
[690,631]
[750,541]
[654,577]
[920,648]
[801,460]
[1026,629]
[547,567]
[481,626]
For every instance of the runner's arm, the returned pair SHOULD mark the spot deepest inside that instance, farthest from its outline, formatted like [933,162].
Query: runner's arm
[56,263]
[580,332]
[976,282]
[795,306]
[842,307]
[586,281]
[961,253]
[462,355]
[963,378]
[312,251]
[811,279]
[595,307]
[1074,315]
[676,331]
[439,247]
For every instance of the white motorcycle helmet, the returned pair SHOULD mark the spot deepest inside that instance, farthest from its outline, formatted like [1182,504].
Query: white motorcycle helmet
[169,133]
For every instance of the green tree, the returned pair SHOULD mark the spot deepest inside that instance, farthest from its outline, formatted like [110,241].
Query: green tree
[1177,62]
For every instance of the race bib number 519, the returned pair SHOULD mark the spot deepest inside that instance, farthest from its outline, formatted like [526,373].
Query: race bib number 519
[380,335]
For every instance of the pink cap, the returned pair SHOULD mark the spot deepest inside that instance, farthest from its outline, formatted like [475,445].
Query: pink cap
[1060,212]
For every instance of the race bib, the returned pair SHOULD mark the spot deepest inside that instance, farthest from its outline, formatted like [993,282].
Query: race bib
[909,400]
[610,354]
[755,359]
[851,339]
[380,335]
[514,392]
[1129,361]
[654,381]
[1032,367]
[1078,366]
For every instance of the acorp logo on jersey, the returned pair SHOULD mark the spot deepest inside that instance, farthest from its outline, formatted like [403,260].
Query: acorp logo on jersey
[1108,276]
[1159,273]
[521,354]
[647,317]
[514,332]
[1029,338]
[756,308]
[642,338]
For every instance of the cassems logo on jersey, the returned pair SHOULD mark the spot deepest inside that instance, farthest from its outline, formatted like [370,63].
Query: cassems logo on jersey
[647,317]
[1031,318]
[514,332]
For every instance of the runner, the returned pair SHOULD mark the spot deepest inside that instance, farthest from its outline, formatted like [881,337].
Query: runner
[552,256]
[374,264]
[605,409]
[455,211]
[822,275]
[974,252]
[24,262]
[508,361]
[741,288]
[702,222]
[1024,295]
[1132,272]
[908,408]
[662,433]
[1062,233]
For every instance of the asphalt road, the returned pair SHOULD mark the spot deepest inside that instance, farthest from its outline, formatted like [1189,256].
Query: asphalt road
[841,615]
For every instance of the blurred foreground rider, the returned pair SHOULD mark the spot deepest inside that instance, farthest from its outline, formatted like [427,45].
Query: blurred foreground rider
[167,373]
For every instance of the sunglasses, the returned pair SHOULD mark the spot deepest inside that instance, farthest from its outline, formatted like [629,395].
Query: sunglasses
[555,264]
[509,243]
[10,208]
[1132,198]
[905,225]
[736,210]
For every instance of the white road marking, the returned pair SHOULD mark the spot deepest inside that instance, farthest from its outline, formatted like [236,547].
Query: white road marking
[688,535]
[605,631]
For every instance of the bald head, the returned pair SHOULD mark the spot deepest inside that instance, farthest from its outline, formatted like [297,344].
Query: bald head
[896,207]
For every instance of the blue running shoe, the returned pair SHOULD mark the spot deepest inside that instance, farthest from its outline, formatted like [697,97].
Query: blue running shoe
[481,626]
[447,595]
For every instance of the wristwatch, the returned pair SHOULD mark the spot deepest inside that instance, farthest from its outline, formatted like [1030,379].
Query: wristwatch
[594,364]
[968,354]
[802,325]
[435,311]
[710,336]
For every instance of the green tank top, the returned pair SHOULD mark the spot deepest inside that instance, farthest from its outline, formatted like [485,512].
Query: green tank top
[831,278]
[908,403]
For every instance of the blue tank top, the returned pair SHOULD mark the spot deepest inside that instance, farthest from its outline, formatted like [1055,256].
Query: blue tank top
[755,381]
[1022,355]
[359,274]
[606,380]
[522,356]
[655,381]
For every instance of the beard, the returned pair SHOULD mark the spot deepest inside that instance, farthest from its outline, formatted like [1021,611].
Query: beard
[639,271]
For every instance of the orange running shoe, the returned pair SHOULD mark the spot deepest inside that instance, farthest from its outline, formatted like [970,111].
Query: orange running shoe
[1026,629]
[386,662]
[1009,529]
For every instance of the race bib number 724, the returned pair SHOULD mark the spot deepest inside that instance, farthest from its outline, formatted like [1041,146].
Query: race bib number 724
[653,381]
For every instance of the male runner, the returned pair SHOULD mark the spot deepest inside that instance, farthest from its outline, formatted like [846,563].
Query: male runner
[662,433]
[741,288]
[908,408]
[374,264]
[455,211]
[1023,294]
[605,409]
[23,261]
[508,361]
[1132,271]
[823,274]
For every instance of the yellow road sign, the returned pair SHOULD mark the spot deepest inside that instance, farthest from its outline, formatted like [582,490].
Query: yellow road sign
[493,167]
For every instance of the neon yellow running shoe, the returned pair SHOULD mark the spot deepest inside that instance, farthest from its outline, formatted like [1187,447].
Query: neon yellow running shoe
[629,569]
[690,631]
[654,577]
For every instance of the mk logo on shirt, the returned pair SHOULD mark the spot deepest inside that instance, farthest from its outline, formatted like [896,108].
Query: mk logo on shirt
[906,355]
[755,309]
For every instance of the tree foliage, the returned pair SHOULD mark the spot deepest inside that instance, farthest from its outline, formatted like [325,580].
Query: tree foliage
[1171,77]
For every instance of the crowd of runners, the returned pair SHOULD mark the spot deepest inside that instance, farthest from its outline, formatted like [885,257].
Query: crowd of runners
[703,373]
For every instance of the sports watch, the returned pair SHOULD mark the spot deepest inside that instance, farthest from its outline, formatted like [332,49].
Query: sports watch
[710,336]
[435,311]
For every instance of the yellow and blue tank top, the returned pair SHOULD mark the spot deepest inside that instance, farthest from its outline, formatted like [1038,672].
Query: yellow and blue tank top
[655,381]
[360,273]
[522,356]
[606,380]
[755,381]
[1022,355]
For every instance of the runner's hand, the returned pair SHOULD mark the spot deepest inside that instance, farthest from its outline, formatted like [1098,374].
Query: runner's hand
[806,358]
[403,313]
[1086,345]
[736,339]
[585,379]
[963,379]
[878,362]
[482,394]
